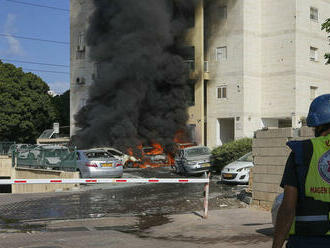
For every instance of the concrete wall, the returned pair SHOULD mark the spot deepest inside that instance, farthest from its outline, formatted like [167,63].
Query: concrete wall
[6,170]
[28,173]
[80,64]
[5,166]
[195,37]
[224,31]
[270,154]
[310,73]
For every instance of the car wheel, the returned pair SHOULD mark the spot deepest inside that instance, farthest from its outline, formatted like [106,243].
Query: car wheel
[128,164]
[184,171]
[177,169]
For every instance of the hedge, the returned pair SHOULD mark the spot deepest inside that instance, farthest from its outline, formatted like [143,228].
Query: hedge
[227,153]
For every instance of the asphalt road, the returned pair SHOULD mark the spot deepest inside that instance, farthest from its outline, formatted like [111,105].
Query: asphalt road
[148,202]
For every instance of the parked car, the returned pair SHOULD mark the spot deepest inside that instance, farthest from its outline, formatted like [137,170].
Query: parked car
[193,160]
[17,148]
[238,171]
[51,156]
[124,158]
[42,156]
[94,163]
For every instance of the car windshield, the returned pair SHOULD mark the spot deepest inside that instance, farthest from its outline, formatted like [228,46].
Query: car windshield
[99,154]
[246,158]
[198,151]
[113,152]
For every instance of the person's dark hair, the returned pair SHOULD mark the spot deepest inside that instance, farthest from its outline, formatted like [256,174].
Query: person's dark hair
[320,129]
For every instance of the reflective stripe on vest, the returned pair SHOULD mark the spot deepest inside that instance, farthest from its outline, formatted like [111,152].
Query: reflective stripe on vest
[312,218]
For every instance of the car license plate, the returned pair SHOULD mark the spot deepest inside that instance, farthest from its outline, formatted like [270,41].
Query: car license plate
[206,165]
[107,165]
[225,175]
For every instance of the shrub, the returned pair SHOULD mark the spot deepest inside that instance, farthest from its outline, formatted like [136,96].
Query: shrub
[227,153]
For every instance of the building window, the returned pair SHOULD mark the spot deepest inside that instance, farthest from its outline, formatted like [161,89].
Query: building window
[221,53]
[313,90]
[96,71]
[206,66]
[223,12]
[80,80]
[313,54]
[188,54]
[81,41]
[191,94]
[83,102]
[222,92]
[314,14]
[81,47]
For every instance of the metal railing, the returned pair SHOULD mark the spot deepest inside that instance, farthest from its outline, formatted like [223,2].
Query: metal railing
[5,146]
[46,157]
[190,65]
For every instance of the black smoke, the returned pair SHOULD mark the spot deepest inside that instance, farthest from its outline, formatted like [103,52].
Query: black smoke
[142,90]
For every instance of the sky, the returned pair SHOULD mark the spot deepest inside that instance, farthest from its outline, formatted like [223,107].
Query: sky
[19,19]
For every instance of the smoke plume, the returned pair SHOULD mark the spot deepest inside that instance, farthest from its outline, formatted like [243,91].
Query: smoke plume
[140,95]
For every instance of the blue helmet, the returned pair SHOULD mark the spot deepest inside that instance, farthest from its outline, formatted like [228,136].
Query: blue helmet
[319,111]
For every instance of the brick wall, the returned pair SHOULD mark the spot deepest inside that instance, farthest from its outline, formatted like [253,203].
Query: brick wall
[270,155]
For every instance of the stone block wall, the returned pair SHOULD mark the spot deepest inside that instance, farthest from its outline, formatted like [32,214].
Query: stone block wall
[9,172]
[5,166]
[270,154]
[28,173]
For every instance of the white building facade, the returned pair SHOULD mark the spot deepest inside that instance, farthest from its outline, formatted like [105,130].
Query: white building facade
[265,64]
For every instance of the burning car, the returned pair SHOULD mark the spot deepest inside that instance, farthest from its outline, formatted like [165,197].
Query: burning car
[154,156]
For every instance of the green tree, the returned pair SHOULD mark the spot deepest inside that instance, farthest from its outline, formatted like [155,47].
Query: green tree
[62,106]
[326,27]
[25,107]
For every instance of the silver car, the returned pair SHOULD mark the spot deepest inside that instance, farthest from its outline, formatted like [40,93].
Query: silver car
[95,163]
[193,160]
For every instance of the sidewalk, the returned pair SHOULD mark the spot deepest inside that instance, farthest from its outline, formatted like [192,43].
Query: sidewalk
[243,227]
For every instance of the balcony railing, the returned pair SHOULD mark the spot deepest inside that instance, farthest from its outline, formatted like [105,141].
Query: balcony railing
[190,65]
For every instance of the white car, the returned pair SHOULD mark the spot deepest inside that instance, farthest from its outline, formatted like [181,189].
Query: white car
[238,171]
[124,158]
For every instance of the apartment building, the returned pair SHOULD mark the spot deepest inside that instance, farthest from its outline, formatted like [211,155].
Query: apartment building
[257,63]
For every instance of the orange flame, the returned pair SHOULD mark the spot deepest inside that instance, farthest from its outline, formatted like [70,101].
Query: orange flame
[156,156]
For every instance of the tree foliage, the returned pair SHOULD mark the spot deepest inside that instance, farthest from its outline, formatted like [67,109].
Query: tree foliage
[25,107]
[227,153]
[62,107]
[326,27]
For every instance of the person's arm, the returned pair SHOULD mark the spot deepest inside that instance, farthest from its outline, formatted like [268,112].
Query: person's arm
[285,215]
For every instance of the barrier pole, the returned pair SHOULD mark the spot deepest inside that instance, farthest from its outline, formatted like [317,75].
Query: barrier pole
[206,195]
